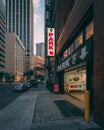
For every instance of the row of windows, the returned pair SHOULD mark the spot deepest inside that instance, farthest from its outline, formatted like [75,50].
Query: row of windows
[2,29]
[2,23]
[2,35]
[1,55]
[2,17]
[68,12]
[1,50]
[2,66]
[2,60]
[79,40]
[2,45]
[19,56]
[26,14]
[2,40]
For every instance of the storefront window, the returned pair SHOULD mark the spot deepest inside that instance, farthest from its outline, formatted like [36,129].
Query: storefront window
[78,40]
[75,80]
[89,31]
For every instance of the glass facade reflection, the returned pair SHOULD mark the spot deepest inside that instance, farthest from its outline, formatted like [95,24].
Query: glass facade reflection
[19,19]
[2,35]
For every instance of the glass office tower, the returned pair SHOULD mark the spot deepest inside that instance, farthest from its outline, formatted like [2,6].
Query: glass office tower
[20,20]
[2,36]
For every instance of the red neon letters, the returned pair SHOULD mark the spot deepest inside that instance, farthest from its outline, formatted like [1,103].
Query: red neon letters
[51,44]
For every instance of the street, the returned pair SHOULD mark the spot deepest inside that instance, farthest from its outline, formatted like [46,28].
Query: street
[40,109]
[7,95]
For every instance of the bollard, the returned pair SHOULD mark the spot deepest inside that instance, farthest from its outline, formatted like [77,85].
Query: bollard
[87,106]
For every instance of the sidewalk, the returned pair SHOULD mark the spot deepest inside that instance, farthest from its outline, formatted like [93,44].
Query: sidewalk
[48,116]
[37,110]
[18,114]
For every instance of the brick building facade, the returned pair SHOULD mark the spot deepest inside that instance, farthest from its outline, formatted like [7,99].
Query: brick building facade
[79,32]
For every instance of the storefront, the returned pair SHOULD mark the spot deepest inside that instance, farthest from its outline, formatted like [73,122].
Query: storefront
[75,80]
[75,73]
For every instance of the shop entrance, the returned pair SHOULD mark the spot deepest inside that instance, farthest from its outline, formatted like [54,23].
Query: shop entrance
[75,83]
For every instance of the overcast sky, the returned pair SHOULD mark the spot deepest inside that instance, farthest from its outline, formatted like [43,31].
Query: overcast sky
[3,1]
[38,21]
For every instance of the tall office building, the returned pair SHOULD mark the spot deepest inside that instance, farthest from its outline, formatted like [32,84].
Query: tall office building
[40,49]
[14,56]
[20,20]
[2,35]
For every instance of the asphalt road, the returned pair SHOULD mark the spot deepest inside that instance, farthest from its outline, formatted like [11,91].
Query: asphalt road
[7,95]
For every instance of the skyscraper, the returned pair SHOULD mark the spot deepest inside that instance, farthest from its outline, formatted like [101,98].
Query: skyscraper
[2,36]
[19,19]
[40,49]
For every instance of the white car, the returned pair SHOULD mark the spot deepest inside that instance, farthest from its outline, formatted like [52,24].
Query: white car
[20,87]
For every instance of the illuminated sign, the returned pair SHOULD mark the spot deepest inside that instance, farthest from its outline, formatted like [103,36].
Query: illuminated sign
[51,42]
[83,54]
[65,54]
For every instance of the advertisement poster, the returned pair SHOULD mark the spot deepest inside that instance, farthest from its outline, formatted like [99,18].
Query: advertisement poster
[56,88]
[75,80]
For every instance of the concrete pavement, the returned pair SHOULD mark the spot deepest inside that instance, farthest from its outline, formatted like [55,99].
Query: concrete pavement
[49,117]
[36,110]
[18,114]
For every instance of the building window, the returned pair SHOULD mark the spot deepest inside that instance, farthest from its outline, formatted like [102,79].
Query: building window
[65,54]
[78,40]
[47,15]
[69,51]
[89,30]
[71,48]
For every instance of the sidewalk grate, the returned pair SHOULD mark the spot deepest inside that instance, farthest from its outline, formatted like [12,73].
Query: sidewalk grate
[68,109]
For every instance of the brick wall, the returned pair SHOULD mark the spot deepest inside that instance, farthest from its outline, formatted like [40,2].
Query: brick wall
[75,18]
[99,61]
[78,12]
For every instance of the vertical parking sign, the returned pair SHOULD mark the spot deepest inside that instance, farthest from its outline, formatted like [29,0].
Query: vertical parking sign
[51,42]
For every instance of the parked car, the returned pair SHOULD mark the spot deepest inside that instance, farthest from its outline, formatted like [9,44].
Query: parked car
[28,84]
[20,87]
[33,83]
